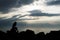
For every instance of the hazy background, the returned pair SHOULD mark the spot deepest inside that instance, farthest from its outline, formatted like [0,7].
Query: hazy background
[37,15]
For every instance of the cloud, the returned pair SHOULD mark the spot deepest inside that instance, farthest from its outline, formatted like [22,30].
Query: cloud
[38,26]
[6,24]
[39,13]
[53,2]
[26,1]
[6,5]
[8,21]
[44,25]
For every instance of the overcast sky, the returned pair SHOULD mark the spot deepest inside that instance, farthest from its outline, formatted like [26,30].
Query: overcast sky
[37,15]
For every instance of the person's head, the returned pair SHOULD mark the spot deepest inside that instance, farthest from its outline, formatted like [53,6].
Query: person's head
[14,24]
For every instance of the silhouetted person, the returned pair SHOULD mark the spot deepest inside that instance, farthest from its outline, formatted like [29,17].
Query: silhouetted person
[28,35]
[14,24]
[13,33]
[14,28]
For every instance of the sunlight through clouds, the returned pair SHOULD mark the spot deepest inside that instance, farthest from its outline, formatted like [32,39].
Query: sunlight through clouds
[22,14]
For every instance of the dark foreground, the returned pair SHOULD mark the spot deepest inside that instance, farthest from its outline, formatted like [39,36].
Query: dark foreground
[14,34]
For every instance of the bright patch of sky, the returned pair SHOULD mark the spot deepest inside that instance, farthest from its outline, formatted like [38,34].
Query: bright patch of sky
[36,5]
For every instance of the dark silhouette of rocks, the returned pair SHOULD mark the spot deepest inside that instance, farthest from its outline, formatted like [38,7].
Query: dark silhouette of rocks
[14,34]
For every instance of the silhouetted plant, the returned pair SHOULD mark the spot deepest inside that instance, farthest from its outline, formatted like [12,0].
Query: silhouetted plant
[14,34]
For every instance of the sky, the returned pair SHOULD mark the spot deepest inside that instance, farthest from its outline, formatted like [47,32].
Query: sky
[36,15]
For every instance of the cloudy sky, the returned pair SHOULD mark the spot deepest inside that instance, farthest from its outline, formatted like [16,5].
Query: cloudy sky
[37,15]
